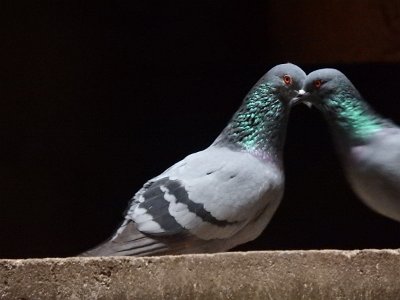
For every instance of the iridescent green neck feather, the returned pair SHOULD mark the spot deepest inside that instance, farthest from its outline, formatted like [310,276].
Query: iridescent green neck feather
[259,125]
[352,118]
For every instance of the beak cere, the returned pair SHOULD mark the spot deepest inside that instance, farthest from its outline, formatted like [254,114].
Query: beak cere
[297,99]
[300,94]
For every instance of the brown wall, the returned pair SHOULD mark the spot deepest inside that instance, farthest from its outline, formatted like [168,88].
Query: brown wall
[335,31]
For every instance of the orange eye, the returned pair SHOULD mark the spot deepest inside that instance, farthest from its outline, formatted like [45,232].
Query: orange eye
[317,83]
[287,79]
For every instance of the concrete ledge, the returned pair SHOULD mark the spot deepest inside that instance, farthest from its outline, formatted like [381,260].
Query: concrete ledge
[329,274]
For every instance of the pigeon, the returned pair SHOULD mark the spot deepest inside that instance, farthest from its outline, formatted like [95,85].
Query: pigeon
[223,196]
[368,144]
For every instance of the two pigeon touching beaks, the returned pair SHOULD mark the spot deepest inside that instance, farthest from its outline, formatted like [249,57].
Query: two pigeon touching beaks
[225,195]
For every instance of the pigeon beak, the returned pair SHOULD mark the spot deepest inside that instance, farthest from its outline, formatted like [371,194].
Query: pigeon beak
[308,104]
[299,98]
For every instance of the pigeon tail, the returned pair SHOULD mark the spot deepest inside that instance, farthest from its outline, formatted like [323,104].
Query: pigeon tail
[126,242]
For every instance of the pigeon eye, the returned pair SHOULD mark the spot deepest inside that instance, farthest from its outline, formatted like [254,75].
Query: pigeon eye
[317,83]
[287,79]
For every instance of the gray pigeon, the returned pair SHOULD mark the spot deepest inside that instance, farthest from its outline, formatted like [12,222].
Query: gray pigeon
[223,196]
[368,144]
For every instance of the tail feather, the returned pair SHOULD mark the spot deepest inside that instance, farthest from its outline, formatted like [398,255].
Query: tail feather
[129,241]
[152,249]
[126,242]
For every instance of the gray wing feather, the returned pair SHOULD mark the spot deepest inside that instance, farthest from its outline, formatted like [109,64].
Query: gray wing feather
[198,205]
[374,172]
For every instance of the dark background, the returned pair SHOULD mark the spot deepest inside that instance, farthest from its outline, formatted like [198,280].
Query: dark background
[98,98]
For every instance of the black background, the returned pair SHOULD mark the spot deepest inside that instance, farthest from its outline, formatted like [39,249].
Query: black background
[98,98]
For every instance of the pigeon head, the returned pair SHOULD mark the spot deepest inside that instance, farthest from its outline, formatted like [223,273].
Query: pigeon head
[259,125]
[331,92]
[323,88]
[285,80]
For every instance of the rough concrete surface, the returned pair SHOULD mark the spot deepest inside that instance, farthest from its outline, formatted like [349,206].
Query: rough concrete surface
[329,274]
